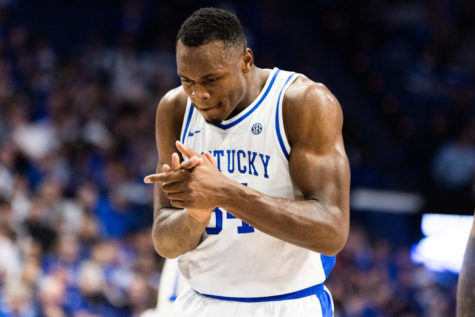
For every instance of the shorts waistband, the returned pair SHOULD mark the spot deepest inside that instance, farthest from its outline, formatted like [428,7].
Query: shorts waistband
[309,291]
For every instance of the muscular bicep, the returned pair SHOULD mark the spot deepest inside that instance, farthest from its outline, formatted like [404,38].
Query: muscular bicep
[321,176]
[318,162]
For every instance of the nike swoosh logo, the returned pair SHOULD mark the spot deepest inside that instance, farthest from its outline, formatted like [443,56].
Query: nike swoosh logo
[193,133]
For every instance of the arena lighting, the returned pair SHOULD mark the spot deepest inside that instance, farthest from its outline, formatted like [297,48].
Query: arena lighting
[443,246]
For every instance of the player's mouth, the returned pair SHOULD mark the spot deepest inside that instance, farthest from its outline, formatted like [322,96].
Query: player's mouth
[207,108]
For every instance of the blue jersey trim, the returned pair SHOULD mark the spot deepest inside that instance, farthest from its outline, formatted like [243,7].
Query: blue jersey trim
[277,121]
[188,120]
[317,290]
[328,262]
[175,287]
[326,303]
[232,124]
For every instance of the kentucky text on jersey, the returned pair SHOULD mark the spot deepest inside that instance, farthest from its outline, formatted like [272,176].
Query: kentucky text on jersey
[244,162]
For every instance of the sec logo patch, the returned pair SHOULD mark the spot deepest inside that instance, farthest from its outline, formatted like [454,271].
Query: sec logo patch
[256,128]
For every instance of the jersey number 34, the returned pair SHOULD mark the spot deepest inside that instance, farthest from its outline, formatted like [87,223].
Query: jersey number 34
[244,228]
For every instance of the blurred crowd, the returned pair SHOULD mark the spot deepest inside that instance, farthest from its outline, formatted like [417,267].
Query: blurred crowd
[414,63]
[374,277]
[76,139]
[79,84]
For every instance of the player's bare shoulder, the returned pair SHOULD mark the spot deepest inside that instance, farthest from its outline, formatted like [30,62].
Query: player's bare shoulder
[311,110]
[171,110]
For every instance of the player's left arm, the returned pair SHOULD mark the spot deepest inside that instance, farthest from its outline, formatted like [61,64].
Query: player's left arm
[318,163]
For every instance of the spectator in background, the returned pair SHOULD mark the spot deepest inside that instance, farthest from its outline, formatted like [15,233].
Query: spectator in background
[141,296]
[10,256]
[52,297]
[91,298]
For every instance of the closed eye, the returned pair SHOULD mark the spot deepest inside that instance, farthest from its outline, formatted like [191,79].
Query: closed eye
[185,80]
[213,79]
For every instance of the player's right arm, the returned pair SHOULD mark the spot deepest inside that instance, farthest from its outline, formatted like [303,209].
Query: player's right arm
[175,231]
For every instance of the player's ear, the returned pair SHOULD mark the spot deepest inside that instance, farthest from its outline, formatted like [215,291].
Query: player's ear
[247,60]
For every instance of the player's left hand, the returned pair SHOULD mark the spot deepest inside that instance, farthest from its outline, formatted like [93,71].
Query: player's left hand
[195,188]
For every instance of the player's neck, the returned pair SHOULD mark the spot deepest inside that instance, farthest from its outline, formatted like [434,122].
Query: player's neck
[256,82]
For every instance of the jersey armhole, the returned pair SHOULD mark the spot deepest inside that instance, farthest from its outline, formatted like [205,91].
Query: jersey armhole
[186,120]
[279,120]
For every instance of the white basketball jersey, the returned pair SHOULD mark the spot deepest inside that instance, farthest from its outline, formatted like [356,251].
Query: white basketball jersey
[234,259]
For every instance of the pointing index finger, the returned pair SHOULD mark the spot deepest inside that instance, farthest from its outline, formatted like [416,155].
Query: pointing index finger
[154,178]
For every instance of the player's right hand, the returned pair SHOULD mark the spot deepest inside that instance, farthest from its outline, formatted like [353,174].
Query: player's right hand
[201,215]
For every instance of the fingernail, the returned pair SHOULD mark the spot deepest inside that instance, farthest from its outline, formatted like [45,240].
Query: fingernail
[147,180]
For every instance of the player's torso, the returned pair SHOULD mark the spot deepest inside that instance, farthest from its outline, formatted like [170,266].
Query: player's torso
[234,259]
[246,147]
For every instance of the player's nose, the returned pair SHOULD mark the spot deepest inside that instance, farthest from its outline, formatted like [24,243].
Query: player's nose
[200,93]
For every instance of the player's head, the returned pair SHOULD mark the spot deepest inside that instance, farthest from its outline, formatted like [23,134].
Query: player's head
[211,24]
[213,62]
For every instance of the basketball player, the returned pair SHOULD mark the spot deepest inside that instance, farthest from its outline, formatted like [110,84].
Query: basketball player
[466,284]
[256,220]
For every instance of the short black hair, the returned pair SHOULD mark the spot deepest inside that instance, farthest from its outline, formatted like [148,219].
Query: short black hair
[211,24]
